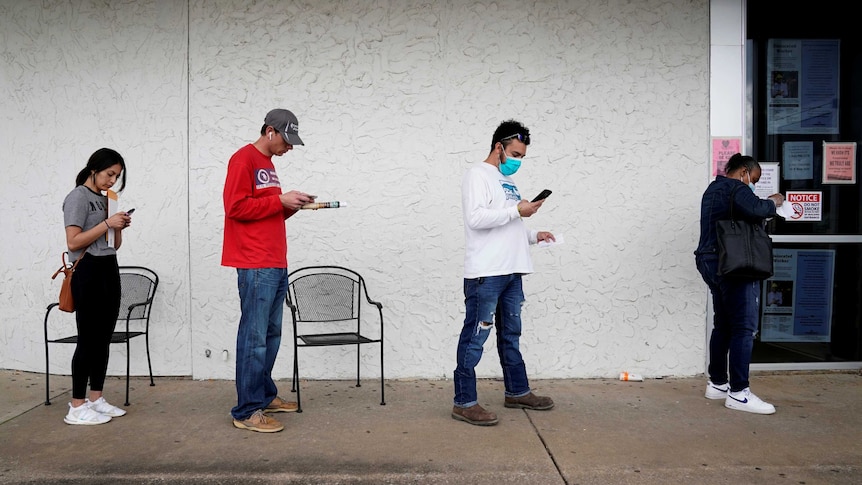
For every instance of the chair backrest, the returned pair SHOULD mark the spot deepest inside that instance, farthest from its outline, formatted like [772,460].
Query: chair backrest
[138,287]
[325,293]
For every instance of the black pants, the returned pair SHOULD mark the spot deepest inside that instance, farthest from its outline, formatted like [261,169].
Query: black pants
[96,289]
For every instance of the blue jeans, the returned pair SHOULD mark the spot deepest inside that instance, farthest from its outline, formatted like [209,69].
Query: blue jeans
[735,304]
[491,301]
[261,294]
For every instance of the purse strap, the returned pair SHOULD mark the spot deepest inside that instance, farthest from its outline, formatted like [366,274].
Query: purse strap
[65,266]
[732,193]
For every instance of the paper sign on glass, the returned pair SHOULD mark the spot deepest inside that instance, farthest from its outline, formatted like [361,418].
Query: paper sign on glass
[722,150]
[804,206]
[839,162]
[769,177]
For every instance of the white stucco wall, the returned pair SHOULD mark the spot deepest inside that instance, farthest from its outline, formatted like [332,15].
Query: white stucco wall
[395,99]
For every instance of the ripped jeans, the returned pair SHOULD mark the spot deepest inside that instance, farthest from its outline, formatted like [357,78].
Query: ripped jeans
[493,301]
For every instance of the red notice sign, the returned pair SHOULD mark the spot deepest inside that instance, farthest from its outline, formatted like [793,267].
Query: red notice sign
[807,206]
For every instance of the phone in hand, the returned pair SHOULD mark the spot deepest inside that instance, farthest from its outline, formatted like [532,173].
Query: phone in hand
[542,195]
[130,211]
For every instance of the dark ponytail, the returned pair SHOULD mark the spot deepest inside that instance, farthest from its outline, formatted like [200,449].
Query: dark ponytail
[741,161]
[102,159]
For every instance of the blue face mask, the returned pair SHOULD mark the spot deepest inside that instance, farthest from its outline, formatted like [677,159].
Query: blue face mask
[510,165]
[750,185]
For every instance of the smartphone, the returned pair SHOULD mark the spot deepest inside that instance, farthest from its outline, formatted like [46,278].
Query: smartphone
[545,193]
[130,211]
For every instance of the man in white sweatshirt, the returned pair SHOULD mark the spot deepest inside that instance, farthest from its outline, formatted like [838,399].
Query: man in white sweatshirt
[497,255]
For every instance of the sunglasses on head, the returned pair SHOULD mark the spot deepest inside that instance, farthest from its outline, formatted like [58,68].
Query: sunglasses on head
[525,139]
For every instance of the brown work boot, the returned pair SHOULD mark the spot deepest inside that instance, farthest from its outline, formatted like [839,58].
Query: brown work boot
[530,401]
[259,422]
[474,415]
[279,405]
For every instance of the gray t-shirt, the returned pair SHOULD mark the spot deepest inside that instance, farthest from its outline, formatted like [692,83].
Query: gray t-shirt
[87,209]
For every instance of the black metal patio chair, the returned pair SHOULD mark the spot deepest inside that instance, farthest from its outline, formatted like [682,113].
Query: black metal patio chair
[326,306]
[137,289]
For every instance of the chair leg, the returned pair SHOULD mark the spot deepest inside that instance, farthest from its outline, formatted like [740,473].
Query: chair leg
[295,387]
[294,379]
[149,362]
[47,379]
[382,387]
[47,367]
[357,365]
[128,366]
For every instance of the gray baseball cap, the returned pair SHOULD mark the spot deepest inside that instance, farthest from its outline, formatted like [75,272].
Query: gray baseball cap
[286,123]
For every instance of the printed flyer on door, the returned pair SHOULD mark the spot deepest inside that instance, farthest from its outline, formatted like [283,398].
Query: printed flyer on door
[797,300]
[802,82]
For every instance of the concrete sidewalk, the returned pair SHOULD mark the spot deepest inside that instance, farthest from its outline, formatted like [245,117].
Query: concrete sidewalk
[601,431]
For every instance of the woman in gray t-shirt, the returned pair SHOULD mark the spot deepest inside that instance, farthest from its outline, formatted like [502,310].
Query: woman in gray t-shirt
[96,285]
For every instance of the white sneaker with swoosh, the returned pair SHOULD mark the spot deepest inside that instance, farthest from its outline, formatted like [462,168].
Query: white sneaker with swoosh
[714,391]
[745,400]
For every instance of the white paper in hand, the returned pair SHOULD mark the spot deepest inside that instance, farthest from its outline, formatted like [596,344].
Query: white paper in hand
[785,210]
[547,244]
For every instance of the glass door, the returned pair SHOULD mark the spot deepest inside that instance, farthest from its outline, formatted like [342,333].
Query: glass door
[804,106]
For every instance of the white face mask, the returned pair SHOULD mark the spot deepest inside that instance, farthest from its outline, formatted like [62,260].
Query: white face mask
[750,185]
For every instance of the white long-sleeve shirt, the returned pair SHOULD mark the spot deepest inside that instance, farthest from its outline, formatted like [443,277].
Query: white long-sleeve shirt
[497,242]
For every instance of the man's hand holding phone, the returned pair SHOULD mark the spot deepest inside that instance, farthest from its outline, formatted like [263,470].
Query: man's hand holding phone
[295,199]
[542,195]
[526,209]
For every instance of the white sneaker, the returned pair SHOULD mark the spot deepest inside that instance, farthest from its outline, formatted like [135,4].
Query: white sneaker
[745,400]
[716,392]
[84,415]
[104,407]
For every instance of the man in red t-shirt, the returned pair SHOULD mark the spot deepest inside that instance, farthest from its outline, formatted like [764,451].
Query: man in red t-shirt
[255,243]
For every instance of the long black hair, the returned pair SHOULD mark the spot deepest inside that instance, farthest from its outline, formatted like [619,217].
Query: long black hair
[102,159]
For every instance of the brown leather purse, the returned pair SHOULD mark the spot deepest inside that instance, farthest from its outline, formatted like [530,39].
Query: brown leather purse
[67,302]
